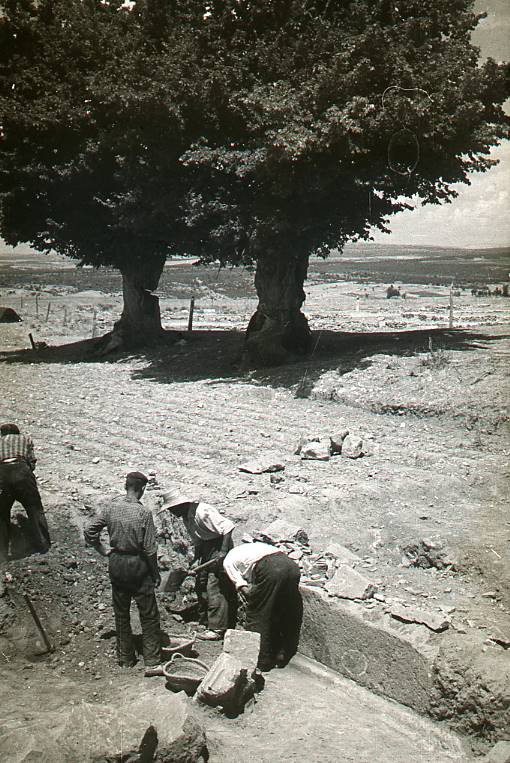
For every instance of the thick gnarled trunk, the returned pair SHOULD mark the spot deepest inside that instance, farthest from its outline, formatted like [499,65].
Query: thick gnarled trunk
[278,330]
[140,322]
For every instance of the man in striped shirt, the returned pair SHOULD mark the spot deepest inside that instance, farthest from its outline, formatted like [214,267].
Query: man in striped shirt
[18,483]
[133,568]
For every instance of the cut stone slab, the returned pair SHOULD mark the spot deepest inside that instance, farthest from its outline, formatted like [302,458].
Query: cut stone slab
[436,622]
[347,583]
[244,645]
[159,723]
[280,531]
[369,647]
[226,685]
[337,441]
[316,451]
[500,753]
[352,447]
[267,463]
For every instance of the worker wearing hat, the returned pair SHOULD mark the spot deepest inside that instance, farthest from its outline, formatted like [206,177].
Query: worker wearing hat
[133,568]
[211,535]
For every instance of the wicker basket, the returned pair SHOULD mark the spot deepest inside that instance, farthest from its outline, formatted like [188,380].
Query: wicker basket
[179,645]
[184,673]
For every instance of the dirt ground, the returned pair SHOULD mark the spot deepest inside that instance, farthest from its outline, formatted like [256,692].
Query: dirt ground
[430,403]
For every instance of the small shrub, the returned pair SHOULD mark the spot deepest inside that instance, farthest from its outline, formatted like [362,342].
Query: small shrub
[434,359]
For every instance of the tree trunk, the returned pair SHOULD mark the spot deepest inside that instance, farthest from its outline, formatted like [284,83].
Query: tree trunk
[140,322]
[278,330]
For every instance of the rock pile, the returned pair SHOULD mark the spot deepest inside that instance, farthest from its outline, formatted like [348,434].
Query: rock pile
[322,448]
[331,569]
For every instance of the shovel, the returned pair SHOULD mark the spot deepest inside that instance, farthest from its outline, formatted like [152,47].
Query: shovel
[177,577]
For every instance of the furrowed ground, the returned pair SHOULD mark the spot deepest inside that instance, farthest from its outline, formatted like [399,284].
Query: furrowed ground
[429,402]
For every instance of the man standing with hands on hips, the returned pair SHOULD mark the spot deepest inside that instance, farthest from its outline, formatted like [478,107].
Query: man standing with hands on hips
[133,568]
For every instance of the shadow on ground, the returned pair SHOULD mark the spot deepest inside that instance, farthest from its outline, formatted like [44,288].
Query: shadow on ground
[216,355]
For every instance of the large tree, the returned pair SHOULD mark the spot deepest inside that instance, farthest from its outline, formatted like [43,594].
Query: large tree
[329,115]
[96,108]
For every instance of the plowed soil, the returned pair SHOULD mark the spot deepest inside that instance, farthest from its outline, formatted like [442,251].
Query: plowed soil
[429,402]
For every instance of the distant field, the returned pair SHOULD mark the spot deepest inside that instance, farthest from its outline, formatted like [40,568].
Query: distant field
[375,263]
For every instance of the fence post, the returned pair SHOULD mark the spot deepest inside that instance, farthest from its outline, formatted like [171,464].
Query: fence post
[191,311]
[94,323]
[48,311]
[64,322]
[450,321]
[37,305]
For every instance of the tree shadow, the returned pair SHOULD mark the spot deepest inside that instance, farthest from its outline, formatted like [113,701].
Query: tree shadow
[216,356]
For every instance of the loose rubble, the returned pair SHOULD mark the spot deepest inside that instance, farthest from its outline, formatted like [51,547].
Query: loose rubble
[322,448]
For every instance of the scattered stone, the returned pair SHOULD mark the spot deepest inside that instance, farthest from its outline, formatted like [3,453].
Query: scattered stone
[426,554]
[280,531]
[226,685]
[95,460]
[342,554]
[435,622]
[349,584]
[275,479]
[316,451]
[503,639]
[244,645]
[305,440]
[500,753]
[268,463]
[337,441]
[160,726]
[352,446]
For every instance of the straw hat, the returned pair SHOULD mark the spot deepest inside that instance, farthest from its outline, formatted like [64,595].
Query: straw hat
[174,498]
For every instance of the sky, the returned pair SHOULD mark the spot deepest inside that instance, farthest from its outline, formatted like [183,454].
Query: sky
[480,216]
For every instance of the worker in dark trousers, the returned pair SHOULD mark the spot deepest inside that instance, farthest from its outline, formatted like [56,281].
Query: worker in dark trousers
[18,483]
[211,534]
[268,583]
[133,568]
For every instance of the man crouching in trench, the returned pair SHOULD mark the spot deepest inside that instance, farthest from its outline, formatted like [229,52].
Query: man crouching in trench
[133,568]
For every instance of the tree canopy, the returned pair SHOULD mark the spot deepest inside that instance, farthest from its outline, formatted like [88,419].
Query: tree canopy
[236,130]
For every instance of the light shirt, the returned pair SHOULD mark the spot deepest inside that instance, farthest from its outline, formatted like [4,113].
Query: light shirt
[206,523]
[241,560]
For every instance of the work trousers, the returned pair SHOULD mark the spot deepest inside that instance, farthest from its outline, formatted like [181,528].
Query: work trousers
[275,609]
[18,483]
[217,600]
[130,579]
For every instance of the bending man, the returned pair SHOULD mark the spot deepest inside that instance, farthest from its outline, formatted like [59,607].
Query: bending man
[211,534]
[268,582]
[133,568]
[18,483]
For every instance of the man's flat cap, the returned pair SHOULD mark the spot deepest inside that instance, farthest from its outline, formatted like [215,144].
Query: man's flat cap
[138,476]
[9,429]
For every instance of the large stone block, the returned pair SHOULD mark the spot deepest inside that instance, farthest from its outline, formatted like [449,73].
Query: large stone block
[158,723]
[226,685]
[244,645]
[390,658]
